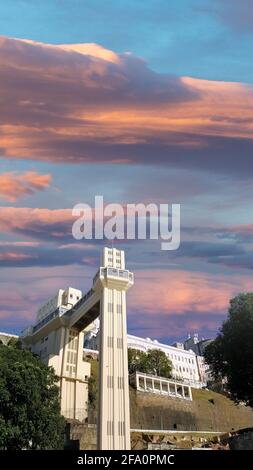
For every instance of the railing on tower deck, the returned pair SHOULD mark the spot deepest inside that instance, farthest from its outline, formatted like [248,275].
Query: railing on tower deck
[113,272]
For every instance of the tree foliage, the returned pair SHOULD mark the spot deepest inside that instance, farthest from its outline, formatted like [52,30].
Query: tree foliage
[153,362]
[29,402]
[230,355]
[93,383]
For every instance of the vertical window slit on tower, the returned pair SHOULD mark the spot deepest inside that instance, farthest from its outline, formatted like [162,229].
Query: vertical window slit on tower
[121,428]
[119,343]
[120,382]
[109,381]
[110,341]
[110,428]
[119,308]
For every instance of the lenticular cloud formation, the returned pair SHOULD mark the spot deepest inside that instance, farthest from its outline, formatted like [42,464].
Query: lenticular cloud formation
[83,103]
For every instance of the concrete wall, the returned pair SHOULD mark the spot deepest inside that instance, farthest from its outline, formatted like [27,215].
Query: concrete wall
[208,411]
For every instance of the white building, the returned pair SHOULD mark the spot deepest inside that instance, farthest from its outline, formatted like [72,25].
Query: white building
[184,363]
[61,348]
[64,298]
[197,345]
[187,366]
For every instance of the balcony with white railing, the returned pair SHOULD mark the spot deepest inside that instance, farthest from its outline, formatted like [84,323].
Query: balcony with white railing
[113,273]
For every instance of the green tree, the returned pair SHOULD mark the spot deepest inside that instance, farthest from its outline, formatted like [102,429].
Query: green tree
[230,355]
[29,402]
[15,342]
[136,361]
[93,384]
[158,363]
[153,362]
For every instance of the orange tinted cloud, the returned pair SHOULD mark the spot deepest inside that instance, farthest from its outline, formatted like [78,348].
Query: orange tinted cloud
[175,292]
[13,256]
[83,103]
[14,186]
[41,223]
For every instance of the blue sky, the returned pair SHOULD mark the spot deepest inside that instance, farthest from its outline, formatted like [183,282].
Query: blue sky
[160,110]
[209,39]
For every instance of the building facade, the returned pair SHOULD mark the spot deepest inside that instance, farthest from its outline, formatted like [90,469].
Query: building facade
[195,344]
[61,348]
[187,365]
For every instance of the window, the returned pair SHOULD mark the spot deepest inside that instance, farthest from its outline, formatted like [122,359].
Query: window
[110,428]
[110,341]
[110,307]
[119,308]
[119,343]
[71,296]
[120,382]
[109,381]
[121,428]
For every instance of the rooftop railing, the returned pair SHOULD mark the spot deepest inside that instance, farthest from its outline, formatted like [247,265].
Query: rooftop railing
[113,272]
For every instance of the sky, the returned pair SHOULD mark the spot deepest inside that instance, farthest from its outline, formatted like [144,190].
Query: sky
[139,102]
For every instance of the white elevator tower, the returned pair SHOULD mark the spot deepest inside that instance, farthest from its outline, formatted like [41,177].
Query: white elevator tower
[114,419]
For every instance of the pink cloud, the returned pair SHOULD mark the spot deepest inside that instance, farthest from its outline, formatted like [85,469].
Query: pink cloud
[36,222]
[22,295]
[13,185]
[13,256]
[83,103]
[161,303]
[18,244]
[243,229]
[174,292]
